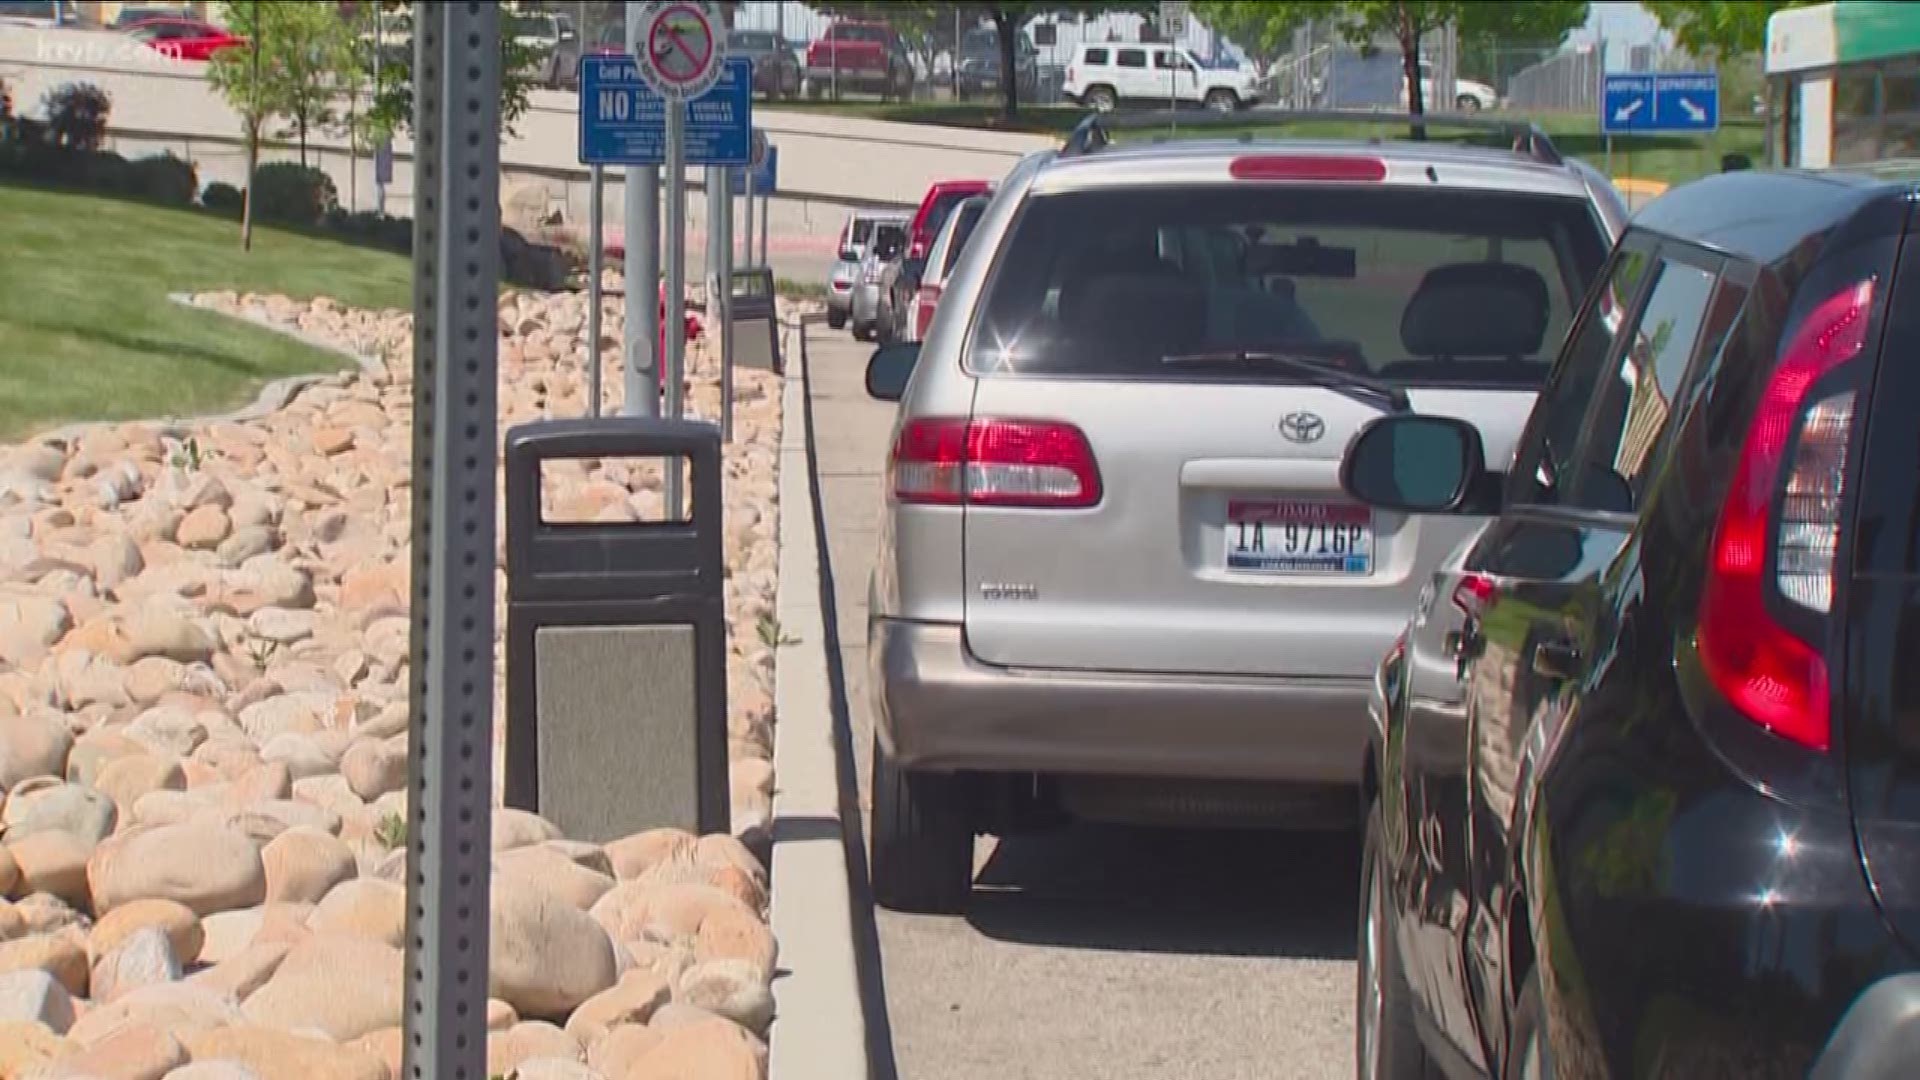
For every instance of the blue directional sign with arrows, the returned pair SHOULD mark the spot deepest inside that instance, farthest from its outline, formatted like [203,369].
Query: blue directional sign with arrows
[1673,102]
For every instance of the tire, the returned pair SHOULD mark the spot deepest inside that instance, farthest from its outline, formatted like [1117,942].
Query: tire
[1467,103]
[1394,1051]
[922,839]
[1101,98]
[863,331]
[1222,101]
[836,320]
[1529,1057]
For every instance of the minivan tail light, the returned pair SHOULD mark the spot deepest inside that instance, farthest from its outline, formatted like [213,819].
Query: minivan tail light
[1307,167]
[994,462]
[1473,595]
[928,299]
[1783,506]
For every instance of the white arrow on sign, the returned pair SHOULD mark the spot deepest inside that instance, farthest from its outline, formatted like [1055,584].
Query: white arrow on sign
[1625,112]
[1694,112]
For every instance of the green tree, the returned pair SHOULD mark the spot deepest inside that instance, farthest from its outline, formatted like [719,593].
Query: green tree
[392,107]
[1265,27]
[1716,29]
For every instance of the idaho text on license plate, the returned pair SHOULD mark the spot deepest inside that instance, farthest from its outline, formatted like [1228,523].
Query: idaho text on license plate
[1294,537]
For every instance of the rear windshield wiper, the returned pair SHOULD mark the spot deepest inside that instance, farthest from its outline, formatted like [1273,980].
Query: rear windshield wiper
[1361,388]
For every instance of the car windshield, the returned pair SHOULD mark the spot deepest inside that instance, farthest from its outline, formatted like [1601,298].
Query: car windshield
[857,32]
[1414,286]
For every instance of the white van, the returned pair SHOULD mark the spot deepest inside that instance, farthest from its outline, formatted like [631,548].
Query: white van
[1102,76]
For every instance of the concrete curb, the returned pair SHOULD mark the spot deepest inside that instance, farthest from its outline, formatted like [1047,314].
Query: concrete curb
[273,397]
[820,1027]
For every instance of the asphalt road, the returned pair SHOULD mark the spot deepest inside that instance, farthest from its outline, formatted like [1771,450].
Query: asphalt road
[1112,953]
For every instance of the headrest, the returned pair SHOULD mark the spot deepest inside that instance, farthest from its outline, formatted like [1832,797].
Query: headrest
[1476,309]
[1145,314]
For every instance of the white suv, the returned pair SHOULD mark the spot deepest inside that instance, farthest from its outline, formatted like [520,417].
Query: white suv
[1102,76]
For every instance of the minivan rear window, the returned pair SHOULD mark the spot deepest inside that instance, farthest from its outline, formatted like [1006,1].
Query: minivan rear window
[1418,286]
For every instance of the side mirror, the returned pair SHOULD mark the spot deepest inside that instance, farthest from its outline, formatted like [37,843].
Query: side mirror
[1413,463]
[889,369]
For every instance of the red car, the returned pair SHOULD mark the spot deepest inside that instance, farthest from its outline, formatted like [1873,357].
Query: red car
[939,201]
[184,39]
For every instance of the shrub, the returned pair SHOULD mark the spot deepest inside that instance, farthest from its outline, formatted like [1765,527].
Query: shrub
[292,194]
[103,171]
[164,179]
[77,115]
[372,229]
[223,199]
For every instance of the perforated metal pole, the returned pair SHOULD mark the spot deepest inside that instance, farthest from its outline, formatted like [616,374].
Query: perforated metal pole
[456,253]
[746,249]
[596,228]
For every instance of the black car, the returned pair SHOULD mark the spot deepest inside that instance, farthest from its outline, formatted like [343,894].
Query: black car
[1643,789]
[776,70]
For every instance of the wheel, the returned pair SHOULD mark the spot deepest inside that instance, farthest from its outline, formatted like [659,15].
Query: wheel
[1222,101]
[1101,98]
[922,839]
[836,320]
[863,331]
[1528,1055]
[1386,1044]
[1467,103]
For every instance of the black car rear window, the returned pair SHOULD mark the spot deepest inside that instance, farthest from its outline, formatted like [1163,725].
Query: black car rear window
[962,230]
[1419,286]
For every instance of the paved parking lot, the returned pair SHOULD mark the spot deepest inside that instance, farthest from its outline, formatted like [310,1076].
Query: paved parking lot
[1115,953]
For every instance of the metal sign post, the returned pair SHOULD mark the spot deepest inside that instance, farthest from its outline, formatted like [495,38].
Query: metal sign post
[722,197]
[456,340]
[640,339]
[596,187]
[680,47]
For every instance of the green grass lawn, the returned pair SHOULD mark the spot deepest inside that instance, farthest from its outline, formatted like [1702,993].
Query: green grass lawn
[87,332]
[1668,159]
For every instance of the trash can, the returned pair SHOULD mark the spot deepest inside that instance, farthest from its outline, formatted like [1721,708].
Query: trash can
[616,638]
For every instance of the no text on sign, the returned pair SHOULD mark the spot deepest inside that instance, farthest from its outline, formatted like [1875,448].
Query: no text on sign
[681,46]
[623,121]
[1660,102]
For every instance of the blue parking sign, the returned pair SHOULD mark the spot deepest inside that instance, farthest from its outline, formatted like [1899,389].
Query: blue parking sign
[624,122]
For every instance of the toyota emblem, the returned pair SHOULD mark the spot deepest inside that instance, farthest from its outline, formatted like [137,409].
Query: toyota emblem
[1302,427]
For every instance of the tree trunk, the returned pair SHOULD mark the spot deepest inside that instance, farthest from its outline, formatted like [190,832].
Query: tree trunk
[1410,33]
[302,122]
[1004,28]
[246,204]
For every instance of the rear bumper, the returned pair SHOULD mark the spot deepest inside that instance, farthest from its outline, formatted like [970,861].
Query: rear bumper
[936,707]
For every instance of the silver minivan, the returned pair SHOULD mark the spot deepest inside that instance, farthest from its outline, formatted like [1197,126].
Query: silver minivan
[1116,576]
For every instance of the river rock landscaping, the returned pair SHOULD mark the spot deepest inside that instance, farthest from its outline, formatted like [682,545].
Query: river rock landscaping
[204,745]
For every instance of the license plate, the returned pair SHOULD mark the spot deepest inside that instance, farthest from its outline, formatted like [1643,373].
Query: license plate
[1297,537]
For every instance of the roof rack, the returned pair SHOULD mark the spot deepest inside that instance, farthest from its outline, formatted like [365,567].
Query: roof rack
[1096,131]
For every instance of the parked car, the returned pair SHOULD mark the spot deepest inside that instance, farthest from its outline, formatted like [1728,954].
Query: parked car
[1118,577]
[184,39]
[979,74]
[1102,77]
[941,197]
[776,71]
[1468,95]
[855,237]
[918,308]
[868,311]
[541,31]
[1642,800]
[865,57]
[563,64]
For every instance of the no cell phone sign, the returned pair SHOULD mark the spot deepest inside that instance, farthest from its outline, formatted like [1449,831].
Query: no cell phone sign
[681,46]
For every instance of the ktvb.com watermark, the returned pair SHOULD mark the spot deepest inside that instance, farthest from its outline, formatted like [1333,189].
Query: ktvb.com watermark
[70,49]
